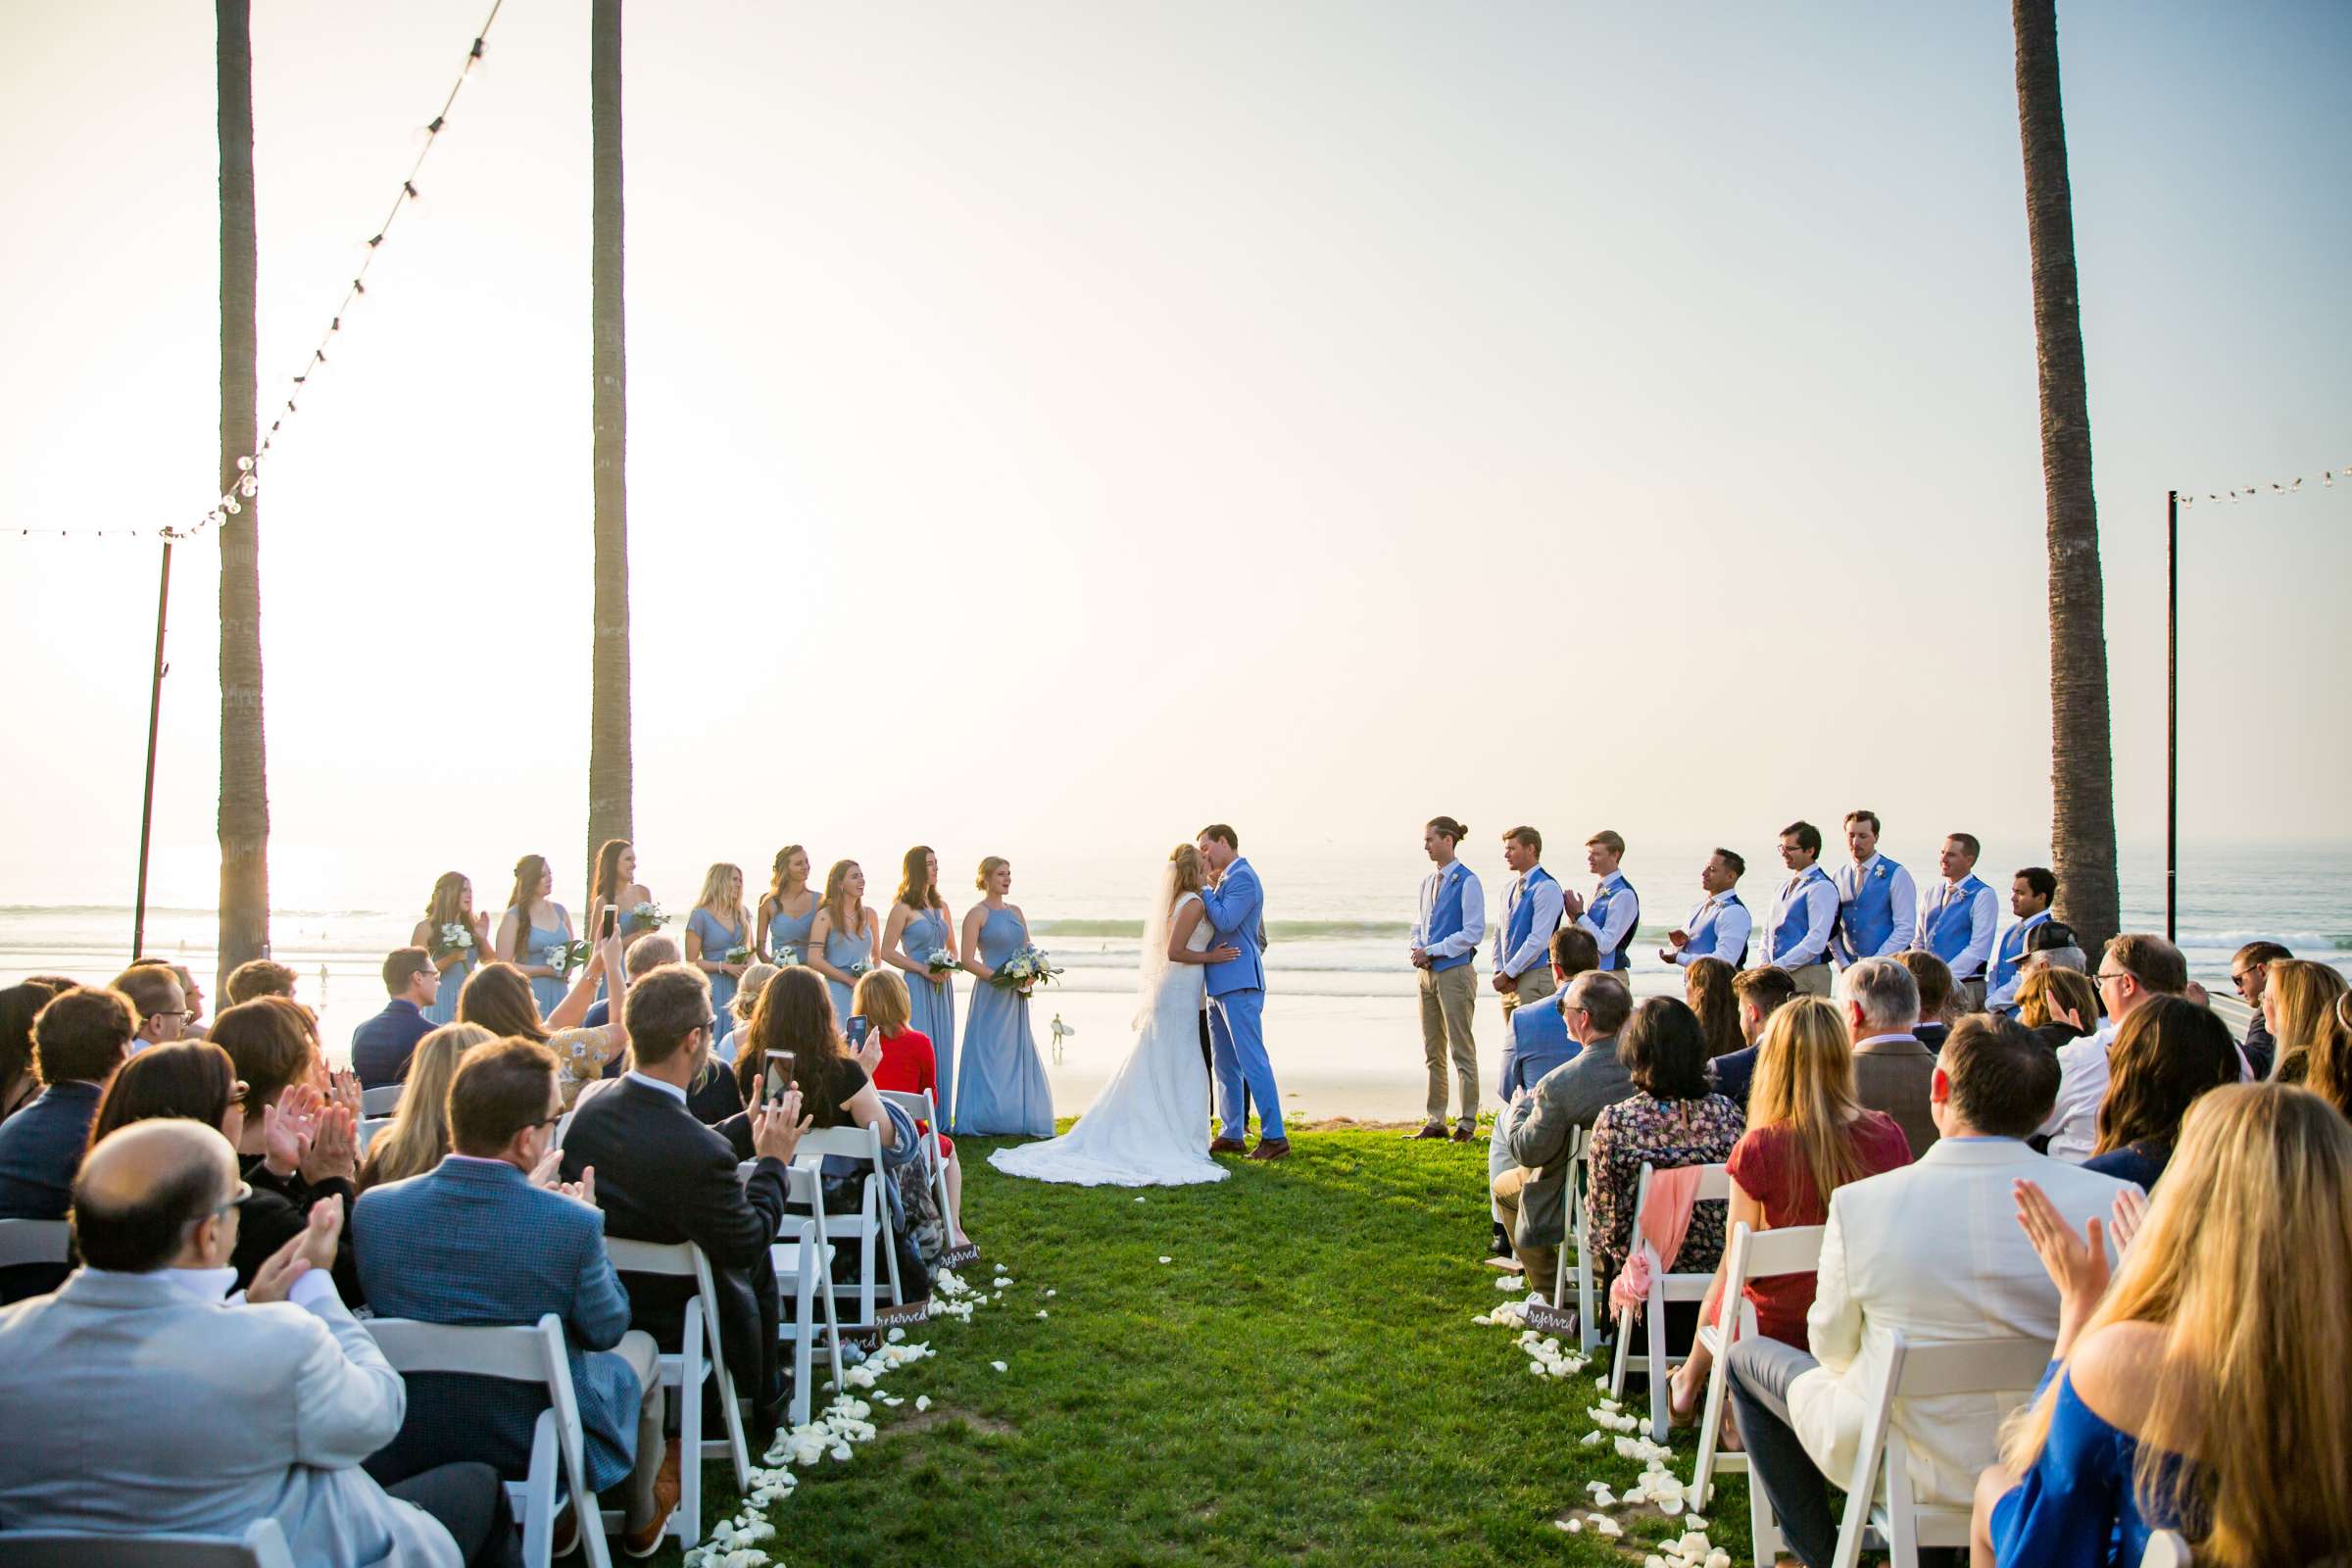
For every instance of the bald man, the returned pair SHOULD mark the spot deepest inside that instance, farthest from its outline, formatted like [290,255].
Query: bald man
[194,1413]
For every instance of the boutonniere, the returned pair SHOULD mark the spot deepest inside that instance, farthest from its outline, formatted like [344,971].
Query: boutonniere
[1879,870]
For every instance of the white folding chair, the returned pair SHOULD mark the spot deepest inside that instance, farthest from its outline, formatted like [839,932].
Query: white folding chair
[1753,1255]
[699,1356]
[1883,1464]
[263,1545]
[370,1128]
[534,1354]
[802,1258]
[1714,1186]
[2167,1548]
[1577,1237]
[382,1100]
[926,1117]
[869,1228]
[33,1241]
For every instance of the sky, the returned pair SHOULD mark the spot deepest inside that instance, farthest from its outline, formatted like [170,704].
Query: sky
[1055,425]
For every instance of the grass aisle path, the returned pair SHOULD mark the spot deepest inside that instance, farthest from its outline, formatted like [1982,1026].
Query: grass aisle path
[1301,1383]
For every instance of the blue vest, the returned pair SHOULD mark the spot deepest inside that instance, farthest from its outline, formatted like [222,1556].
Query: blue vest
[1445,917]
[1869,920]
[1522,923]
[1597,909]
[1953,923]
[1703,943]
[1799,919]
[1539,1043]
[2010,951]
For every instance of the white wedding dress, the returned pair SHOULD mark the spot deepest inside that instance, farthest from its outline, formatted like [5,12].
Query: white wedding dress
[1150,1125]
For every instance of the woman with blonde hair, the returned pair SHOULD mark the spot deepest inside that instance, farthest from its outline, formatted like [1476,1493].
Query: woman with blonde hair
[454,937]
[2061,1006]
[718,928]
[1807,1136]
[534,925]
[786,910]
[500,999]
[843,936]
[2298,1008]
[1708,988]
[2203,1389]
[756,977]
[921,928]
[418,1136]
[1003,1088]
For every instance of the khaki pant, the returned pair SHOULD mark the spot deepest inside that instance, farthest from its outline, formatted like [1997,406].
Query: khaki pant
[637,1347]
[1542,1264]
[1813,980]
[1447,998]
[1534,986]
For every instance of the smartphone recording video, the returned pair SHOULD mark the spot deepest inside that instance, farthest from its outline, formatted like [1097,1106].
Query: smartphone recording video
[779,1076]
[858,1029]
[606,926]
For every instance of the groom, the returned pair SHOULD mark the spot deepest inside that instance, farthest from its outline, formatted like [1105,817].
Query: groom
[1235,902]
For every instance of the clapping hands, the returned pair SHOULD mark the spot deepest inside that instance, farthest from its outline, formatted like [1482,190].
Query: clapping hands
[288,1128]
[548,1174]
[313,1247]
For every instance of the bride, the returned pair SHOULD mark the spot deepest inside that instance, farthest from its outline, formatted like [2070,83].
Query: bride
[1150,1126]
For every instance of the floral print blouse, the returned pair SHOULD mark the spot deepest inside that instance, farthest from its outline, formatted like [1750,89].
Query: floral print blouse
[1662,1133]
[580,1059]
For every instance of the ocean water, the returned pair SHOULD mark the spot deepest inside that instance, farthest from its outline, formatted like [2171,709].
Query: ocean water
[1341,1020]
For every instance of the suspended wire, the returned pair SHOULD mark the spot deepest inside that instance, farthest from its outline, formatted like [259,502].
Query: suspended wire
[2277,487]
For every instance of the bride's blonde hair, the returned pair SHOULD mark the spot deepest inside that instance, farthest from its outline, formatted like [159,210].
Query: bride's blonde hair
[1186,858]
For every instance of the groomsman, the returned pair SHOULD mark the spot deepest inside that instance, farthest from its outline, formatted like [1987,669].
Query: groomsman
[1803,914]
[1446,935]
[1616,909]
[2031,894]
[1956,922]
[1878,905]
[1718,928]
[1531,913]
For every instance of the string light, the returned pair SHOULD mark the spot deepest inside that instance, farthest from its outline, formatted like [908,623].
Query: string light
[2263,492]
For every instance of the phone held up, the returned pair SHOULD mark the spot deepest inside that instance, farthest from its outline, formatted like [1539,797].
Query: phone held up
[858,1031]
[779,1076]
[607,923]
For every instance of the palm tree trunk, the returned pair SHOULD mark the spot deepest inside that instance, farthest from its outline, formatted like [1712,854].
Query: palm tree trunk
[244,821]
[2081,759]
[610,765]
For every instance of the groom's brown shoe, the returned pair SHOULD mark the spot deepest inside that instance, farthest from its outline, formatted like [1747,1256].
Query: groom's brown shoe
[1270,1148]
[1434,1129]
[1226,1145]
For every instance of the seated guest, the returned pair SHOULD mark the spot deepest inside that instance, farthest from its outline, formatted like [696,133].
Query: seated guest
[476,1240]
[1957,918]
[2060,1006]
[380,1047]
[181,1412]
[20,1084]
[909,1065]
[2249,970]
[738,1013]
[296,1141]
[498,996]
[2031,894]
[1807,1136]
[419,1132]
[1890,1262]
[1674,1117]
[2169,1051]
[2298,1008]
[664,1177]
[2203,1389]
[1760,992]
[257,978]
[1710,990]
[1892,1070]
[645,954]
[1533,1042]
[1936,1010]
[160,1001]
[2135,967]
[79,1039]
[1537,1128]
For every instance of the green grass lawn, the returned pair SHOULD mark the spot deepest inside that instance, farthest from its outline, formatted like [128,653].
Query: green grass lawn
[1301,1383]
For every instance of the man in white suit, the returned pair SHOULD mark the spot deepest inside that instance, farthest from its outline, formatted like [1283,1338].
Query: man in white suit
[1933,1251]
[140,1402]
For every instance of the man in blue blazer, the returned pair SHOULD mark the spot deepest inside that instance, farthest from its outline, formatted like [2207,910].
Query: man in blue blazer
[478,1239]
[80,1038]
[380,1045]
[1235,901]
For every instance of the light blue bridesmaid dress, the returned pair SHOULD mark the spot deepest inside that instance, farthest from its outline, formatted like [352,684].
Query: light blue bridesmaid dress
[933,1003]
[789,933]
[546,990]
[452,980]
[843,948]
[717,940]
[1004,1088]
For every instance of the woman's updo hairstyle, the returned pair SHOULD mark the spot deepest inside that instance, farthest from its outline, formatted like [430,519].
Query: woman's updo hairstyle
[988,868]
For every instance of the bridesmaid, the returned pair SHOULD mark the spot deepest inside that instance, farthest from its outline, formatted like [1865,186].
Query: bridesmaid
[788,908]
[919,925]
[616,884]
[1004,1088]
[843,935]
[452,903]
[718,926]
[534,923]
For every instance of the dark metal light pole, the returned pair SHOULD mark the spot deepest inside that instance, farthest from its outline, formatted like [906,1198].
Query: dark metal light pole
[2171,711]
[155,708]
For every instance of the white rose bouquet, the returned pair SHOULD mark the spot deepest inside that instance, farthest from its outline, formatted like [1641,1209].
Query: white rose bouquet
[565,956]
[647,917]
[941,961]
[453,937]
[1024,971]
[739,954]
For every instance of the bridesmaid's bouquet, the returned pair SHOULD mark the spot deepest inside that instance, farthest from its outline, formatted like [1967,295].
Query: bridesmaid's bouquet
[862,968]
[1024,971]
[787,959]
[941,961]
[739,954]
[452,938]
[565,956]
[647,917]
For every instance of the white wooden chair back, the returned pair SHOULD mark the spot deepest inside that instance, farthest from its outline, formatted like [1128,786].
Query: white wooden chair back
[263,1545]
[382,1100]
[534,1354]
[1575,1245]
[1751,1254]
[1714,1187]
[371,1128]
[700,1354]
[2167,1548]
[870,1226]
[34,1241]
[921,1107]
[1883,1464]
[803,1257]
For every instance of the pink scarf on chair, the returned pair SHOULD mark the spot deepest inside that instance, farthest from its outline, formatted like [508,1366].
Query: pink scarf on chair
[1664,1220]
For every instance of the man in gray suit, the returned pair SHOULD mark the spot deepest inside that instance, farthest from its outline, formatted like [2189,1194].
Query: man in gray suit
[1892,1070]
[143,1402]
[1537,1127]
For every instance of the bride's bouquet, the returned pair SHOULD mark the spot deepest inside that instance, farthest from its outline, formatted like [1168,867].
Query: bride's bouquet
[941,961]
[1024,971]
[454,937]
[565,956]
[647,917]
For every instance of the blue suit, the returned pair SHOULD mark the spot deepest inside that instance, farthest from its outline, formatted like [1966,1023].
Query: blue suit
[1235,910]
[472,1242]
[1535,1042]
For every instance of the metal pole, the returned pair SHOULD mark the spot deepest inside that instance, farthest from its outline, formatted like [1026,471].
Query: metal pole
[2172,713]
[155,708]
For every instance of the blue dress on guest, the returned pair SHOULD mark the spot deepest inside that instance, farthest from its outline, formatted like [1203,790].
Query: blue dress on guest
[717,941]
[452,980]
[2077,1507]
[842,949]
[932,1003]
[1003,1088]
[546,990]
[789,933]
